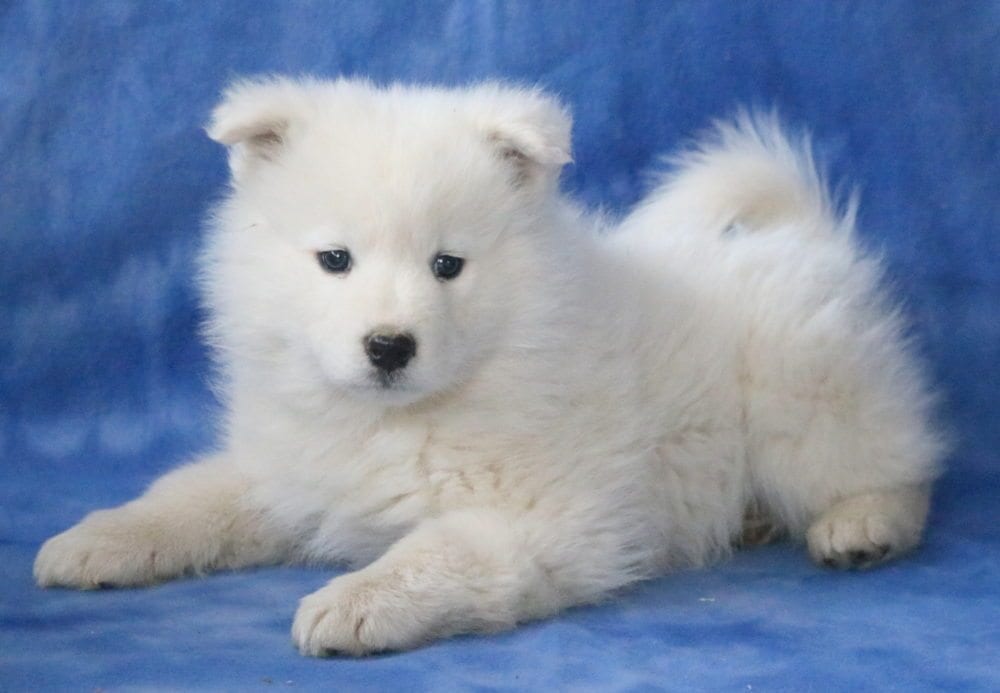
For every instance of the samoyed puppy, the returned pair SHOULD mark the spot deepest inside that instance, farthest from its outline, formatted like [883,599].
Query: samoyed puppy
[439,370]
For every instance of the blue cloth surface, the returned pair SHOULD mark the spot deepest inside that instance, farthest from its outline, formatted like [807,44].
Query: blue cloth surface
[105,175]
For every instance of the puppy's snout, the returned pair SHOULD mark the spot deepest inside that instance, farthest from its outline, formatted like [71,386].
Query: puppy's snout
[390,352]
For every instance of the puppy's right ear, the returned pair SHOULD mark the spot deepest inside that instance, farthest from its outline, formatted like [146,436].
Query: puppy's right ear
[253,120]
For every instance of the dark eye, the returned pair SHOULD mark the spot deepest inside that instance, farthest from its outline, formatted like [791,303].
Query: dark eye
[447,266]
[335,260]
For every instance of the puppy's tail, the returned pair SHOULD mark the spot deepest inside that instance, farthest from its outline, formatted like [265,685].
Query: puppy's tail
[747,172]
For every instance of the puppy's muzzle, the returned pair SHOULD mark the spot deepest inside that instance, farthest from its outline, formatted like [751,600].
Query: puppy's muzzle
[390,352]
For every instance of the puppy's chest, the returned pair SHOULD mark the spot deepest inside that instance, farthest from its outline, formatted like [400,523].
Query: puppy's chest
[398,475]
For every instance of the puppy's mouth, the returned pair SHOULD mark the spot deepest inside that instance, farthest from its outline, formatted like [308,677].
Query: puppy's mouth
[393,388]
[389,380]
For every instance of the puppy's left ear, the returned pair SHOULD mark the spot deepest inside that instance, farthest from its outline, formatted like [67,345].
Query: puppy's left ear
[529,129]
[253,120]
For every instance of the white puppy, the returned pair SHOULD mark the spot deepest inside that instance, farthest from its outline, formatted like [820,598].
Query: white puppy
[438,368]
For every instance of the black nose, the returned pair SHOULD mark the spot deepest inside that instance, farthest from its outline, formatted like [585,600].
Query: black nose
[390,352]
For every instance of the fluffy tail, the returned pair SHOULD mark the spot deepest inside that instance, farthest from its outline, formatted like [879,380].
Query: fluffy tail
[747,172]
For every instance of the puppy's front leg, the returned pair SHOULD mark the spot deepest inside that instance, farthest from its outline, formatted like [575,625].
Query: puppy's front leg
[468,571]
[193,519]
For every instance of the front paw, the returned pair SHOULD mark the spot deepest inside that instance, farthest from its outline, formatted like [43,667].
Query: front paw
[107,549]
[357,614]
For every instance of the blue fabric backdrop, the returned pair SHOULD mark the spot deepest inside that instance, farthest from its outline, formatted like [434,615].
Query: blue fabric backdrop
[105,175]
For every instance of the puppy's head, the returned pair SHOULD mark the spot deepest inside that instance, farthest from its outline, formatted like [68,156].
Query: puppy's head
[376,241]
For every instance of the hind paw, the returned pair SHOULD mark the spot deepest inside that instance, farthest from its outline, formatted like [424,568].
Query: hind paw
[867,530]
[850,542]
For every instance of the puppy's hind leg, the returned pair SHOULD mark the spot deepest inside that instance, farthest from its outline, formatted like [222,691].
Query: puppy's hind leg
[851,475]
[869,528]
[853,484]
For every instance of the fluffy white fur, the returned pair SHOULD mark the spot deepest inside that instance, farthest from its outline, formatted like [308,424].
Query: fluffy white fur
[587,406]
